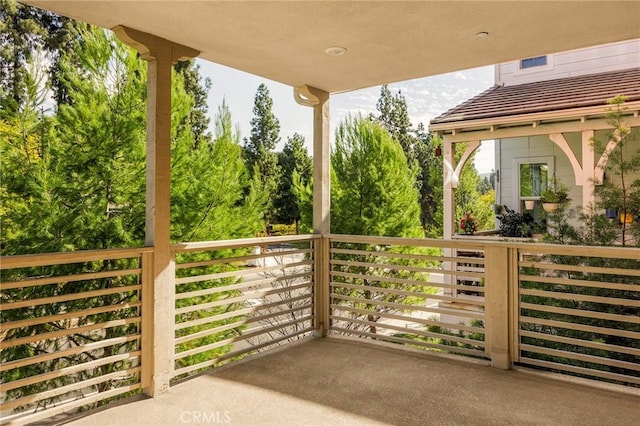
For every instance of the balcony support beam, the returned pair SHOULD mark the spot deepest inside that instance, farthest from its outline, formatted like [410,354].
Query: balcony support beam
[319,100]
[158,335]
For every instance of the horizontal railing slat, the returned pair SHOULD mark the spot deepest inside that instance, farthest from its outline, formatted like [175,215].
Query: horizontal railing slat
[580,327]
[72,296]
[241,259]
[237,312]
[581,313]
[73,314]
[65,258]
[67,332]
[581,370]
[580,297]
[467,314]
[417,320]
[580,342]
[579,283]
[63,279]
[10,365]
[241,242]
[69,370]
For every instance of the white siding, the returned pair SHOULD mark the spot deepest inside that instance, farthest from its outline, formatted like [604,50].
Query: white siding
[608,57]
[537,146]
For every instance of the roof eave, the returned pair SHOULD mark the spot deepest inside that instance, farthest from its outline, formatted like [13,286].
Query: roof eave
[531,119]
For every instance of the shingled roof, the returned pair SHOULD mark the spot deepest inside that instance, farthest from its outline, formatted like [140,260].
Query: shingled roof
[545,96]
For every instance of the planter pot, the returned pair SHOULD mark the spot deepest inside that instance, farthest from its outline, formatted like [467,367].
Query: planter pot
[626,218]
[529,204]
[550,207]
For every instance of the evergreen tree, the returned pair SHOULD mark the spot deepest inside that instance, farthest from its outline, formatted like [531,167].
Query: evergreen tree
[25,32]
[259,149]
[197,119]
[430,183]
[372,193]
[207,185]
[394,116]
[418,147]
[293,160]
[373,187]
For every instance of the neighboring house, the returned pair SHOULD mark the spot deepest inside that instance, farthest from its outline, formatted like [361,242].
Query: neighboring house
[542,113]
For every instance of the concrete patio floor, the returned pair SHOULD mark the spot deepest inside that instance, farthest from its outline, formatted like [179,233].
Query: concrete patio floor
[334,381]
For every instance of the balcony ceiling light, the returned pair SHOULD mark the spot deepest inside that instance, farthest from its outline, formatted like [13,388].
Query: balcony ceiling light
[335,51]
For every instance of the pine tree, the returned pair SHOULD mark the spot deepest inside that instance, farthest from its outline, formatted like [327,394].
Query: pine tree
[259,149]
[419,148]
[295,163]
[208,202]
[26,33]
[373,186]
[197,119]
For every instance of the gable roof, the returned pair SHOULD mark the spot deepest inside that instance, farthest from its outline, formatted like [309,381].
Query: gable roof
[545,96]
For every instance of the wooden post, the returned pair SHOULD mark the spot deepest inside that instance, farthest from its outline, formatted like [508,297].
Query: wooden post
[497,268]
[588,170]
[158,334]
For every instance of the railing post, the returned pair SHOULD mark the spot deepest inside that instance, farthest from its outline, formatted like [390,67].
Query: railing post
[497,276]
[146,323]
[321,284]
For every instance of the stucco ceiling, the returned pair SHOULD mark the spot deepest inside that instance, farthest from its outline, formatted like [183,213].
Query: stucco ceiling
[386,41]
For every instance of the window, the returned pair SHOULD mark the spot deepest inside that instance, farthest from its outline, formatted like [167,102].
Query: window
[532,178]
[538,61]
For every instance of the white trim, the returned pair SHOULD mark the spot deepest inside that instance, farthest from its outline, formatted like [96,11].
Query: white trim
[517,161]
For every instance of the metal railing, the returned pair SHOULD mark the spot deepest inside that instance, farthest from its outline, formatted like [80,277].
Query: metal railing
[578,311]
[71,334]
[408,292]
[73,325]
[240,297]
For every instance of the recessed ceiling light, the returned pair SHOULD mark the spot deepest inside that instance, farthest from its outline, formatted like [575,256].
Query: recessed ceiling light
[335,51]
[482,34]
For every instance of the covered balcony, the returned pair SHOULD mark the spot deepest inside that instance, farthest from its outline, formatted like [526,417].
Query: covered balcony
[327,328]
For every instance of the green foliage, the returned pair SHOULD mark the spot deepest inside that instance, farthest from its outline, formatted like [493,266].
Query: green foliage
[419,149]
[294,159]
[75,180]
[259,149]
[208,184]
[514,224]
[622,191]
[556,192]
[373,190]
[27,34]
[467,196]
[197,120]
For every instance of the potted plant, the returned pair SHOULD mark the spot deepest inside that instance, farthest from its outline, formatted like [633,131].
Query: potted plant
[468,224]
[555,195]
[514,224]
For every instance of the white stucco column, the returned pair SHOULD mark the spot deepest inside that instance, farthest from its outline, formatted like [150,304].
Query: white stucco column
[319,100]
[450,181]
[158,341]
[588,170]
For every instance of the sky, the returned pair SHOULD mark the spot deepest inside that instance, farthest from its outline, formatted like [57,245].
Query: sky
[426,99]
